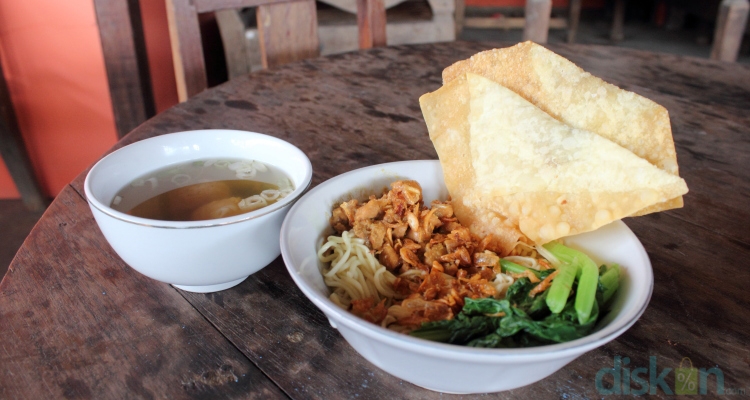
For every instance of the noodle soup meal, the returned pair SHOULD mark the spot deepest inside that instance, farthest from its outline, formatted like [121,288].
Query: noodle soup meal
[417,270]
[203,190]
[533,150]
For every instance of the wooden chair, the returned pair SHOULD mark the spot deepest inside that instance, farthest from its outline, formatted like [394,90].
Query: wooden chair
[343,25]
[287,31]
[408,22]
[124,49]
[371,23]
[13,153]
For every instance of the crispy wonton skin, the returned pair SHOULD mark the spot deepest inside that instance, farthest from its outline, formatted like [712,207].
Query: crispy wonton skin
[581,100]
[513,170]
[448,125]
[548,178]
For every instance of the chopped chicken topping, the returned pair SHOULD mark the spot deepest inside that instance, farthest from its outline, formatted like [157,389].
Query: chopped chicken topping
[437,261]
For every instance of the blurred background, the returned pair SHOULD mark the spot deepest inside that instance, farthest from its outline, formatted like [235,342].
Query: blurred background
[52,59]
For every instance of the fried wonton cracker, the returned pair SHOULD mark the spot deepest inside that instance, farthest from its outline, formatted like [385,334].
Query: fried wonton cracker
[575,97]
[550,179]
[511,167]
[448,125]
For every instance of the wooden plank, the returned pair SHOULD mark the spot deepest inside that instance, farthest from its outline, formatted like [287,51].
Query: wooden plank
[13,153]
[502,22]
[288,32]
[89,326]
[350,6]
[460,15]
[232,30]
[730,28]
[412,23]
[342,38]
[371,23]
[187,50]
[126,62]
[202,6]
[537,15]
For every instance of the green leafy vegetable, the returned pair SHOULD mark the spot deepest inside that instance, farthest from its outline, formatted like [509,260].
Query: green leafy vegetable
[509,267]
[520,320]
[610,280]
[588,280]
[518,296]
[459,330]
[515,328]
[561,286]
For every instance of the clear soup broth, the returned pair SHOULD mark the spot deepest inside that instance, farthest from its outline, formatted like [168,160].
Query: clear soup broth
[203,190]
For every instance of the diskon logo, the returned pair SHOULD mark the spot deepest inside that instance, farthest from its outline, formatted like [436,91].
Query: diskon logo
[649,380]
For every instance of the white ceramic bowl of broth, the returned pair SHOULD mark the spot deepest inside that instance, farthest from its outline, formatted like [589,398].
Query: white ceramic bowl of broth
[205,255]
[444,367]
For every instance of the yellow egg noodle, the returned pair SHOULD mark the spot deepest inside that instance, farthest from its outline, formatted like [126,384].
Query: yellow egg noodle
[354,271]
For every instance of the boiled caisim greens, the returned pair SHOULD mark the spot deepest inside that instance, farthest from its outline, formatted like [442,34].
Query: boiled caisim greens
[567,310]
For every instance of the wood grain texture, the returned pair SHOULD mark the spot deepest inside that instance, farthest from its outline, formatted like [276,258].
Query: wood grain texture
[212,5]
[412,22]
[232,30]
[187,50]
[371,23]
[126,62]
[502,22]
[88,326]
[358,109]
[288,32]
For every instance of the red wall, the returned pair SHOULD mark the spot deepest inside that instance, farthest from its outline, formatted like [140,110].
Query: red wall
[52,58]
[156,31]
[53,63]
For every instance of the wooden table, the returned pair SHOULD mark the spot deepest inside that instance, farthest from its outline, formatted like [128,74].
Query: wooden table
[77,322]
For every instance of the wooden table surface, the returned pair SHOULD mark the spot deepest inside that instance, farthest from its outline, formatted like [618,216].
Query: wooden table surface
[77,322]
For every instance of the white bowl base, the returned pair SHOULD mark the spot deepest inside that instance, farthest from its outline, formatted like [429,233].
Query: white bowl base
[210,288]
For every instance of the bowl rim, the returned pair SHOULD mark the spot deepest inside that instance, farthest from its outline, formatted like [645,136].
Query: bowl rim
[337,315]
[153,223]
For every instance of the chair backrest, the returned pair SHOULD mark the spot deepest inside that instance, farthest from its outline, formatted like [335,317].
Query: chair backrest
[371,23]
[124,49]
[287,31]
